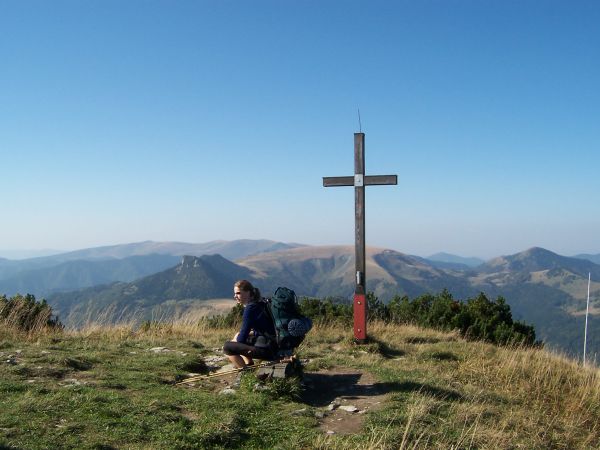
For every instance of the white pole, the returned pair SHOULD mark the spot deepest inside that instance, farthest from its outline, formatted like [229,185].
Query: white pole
[587,310]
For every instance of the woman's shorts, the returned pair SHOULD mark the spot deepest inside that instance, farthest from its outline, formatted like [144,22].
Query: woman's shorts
[231,348]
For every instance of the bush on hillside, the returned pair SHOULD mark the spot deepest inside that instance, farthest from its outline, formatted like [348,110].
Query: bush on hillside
[476,318]
[326,311]
[25,313]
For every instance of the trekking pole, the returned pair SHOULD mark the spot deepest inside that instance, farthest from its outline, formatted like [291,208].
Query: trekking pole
[226,372]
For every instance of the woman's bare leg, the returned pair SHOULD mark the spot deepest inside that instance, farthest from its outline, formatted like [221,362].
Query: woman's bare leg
[239,361]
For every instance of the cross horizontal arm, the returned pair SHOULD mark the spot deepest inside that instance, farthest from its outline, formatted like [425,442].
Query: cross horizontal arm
[369,180]
[338,181]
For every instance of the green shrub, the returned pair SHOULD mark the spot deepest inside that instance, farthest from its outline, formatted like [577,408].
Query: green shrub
[326,311]
[25,313]
[476,318]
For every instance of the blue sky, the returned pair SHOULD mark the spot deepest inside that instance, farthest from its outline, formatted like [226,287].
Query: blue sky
[123,121]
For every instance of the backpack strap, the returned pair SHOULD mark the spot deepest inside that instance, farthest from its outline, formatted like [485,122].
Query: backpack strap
[274,338]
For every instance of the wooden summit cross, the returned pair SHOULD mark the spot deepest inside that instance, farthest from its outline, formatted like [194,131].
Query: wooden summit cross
[359,181]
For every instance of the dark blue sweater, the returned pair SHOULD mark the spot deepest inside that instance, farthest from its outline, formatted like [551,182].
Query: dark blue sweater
[255,318]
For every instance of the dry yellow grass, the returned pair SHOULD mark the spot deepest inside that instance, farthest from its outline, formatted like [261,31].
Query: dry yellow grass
[472,394]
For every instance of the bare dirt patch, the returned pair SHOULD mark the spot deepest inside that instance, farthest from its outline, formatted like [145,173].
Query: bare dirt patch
[335,391]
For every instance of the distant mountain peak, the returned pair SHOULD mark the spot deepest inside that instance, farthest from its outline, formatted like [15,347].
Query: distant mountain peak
[189,262]
[538,251]
[537,259]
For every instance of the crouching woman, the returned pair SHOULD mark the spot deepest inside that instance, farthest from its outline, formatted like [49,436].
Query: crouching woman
[252,341]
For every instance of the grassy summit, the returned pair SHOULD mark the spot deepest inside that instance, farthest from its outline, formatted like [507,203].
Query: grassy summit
[111,387]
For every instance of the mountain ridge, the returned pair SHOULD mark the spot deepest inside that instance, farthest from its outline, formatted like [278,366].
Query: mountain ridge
[229,249]
[194,278]
[536,259]
[593,258]
[546,291]
[43,275]
[448,258]
[77,274]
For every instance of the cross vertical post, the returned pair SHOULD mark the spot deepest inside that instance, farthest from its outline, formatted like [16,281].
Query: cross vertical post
[360,299]
[359,181]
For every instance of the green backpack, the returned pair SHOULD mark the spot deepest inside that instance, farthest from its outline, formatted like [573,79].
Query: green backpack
[290,326]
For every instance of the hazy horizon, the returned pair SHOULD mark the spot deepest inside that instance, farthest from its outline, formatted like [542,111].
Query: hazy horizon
[19,254]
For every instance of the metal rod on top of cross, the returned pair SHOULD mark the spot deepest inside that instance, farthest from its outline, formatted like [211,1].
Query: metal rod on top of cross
[359,181]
